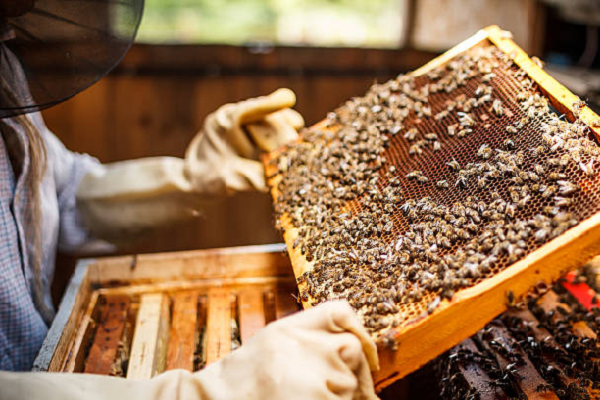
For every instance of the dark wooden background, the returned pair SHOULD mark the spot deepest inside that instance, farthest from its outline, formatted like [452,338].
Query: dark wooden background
[156,100]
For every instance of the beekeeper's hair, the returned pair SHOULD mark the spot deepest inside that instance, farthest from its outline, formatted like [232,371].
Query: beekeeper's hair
[35,171]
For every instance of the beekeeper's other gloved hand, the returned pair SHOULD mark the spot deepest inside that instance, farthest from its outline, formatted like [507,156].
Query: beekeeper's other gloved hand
[117,200]
[323,353]
[224,156]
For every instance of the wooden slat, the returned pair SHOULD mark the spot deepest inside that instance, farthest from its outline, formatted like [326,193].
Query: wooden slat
[252,313]
[148,350]
[476,377]
[530,324]
[226,263]
[527,376]
[182,339]
[55,348]
[200,355]
[550,301]
[285,303]
[74,361]
[218,327]
[106,341]
[453,52]
[198,284]
[270,307]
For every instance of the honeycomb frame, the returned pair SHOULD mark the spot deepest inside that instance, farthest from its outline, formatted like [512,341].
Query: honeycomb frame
[471,308]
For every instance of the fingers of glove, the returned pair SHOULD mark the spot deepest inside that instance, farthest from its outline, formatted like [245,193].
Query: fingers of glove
[230,118]
[340,359]
[341,385]
[293,118]
[237,138]
[337,316]
[350,350]
[258,108]
[275,130]
[222,128]
[255,111]
[244,174]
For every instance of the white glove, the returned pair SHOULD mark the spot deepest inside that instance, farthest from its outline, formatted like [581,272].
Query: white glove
[217,166]
[123,198]
[323,353]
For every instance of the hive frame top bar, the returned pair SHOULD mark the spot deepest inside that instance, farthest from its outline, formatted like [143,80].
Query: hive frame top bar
[473,307]
[560,97]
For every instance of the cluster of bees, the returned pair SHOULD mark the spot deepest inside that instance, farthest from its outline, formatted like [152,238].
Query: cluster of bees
[566,360]
[429,184]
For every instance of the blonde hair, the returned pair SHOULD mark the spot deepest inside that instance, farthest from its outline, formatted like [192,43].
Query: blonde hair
[36,150]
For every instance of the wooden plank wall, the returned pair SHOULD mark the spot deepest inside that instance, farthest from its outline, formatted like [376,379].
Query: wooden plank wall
[156,100]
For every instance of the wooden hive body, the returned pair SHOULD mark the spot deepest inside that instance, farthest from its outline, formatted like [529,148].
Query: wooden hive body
[553,350]
[423,338]
[137,316]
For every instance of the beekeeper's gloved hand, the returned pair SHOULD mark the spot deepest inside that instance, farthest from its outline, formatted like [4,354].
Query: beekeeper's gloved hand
[224,156]
[322,353]
[116,200]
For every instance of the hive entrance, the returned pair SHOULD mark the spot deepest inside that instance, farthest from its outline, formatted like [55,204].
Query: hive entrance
[429,185]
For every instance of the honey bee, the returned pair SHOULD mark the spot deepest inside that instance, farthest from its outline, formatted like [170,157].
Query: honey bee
[538,169]
[414,175]
[563,201]
[482,182]
[415,149]
[451,130]
[588,168]
[547,191]
[454,165]
[538,151]
[411,134]
[497,108]
[523,96]
[441,115]
[484,151]
[465,119]
[566,188]
[509,144]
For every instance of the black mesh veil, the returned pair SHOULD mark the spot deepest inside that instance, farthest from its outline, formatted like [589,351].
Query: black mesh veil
[61,47]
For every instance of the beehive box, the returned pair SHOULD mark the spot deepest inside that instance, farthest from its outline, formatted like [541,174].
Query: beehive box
[478,127]
[138,316]
[546,349]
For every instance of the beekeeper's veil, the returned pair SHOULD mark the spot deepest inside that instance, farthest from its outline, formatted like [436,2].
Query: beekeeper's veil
[51,50]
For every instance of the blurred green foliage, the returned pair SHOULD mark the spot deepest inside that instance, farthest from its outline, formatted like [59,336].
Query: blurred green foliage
[373,23]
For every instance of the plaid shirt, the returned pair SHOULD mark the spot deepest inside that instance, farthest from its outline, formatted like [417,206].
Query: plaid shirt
[22,328]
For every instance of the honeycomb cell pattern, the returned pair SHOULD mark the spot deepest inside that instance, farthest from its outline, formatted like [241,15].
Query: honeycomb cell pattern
[490,130]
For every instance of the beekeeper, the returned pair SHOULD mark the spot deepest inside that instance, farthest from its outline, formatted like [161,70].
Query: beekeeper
[51,198]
